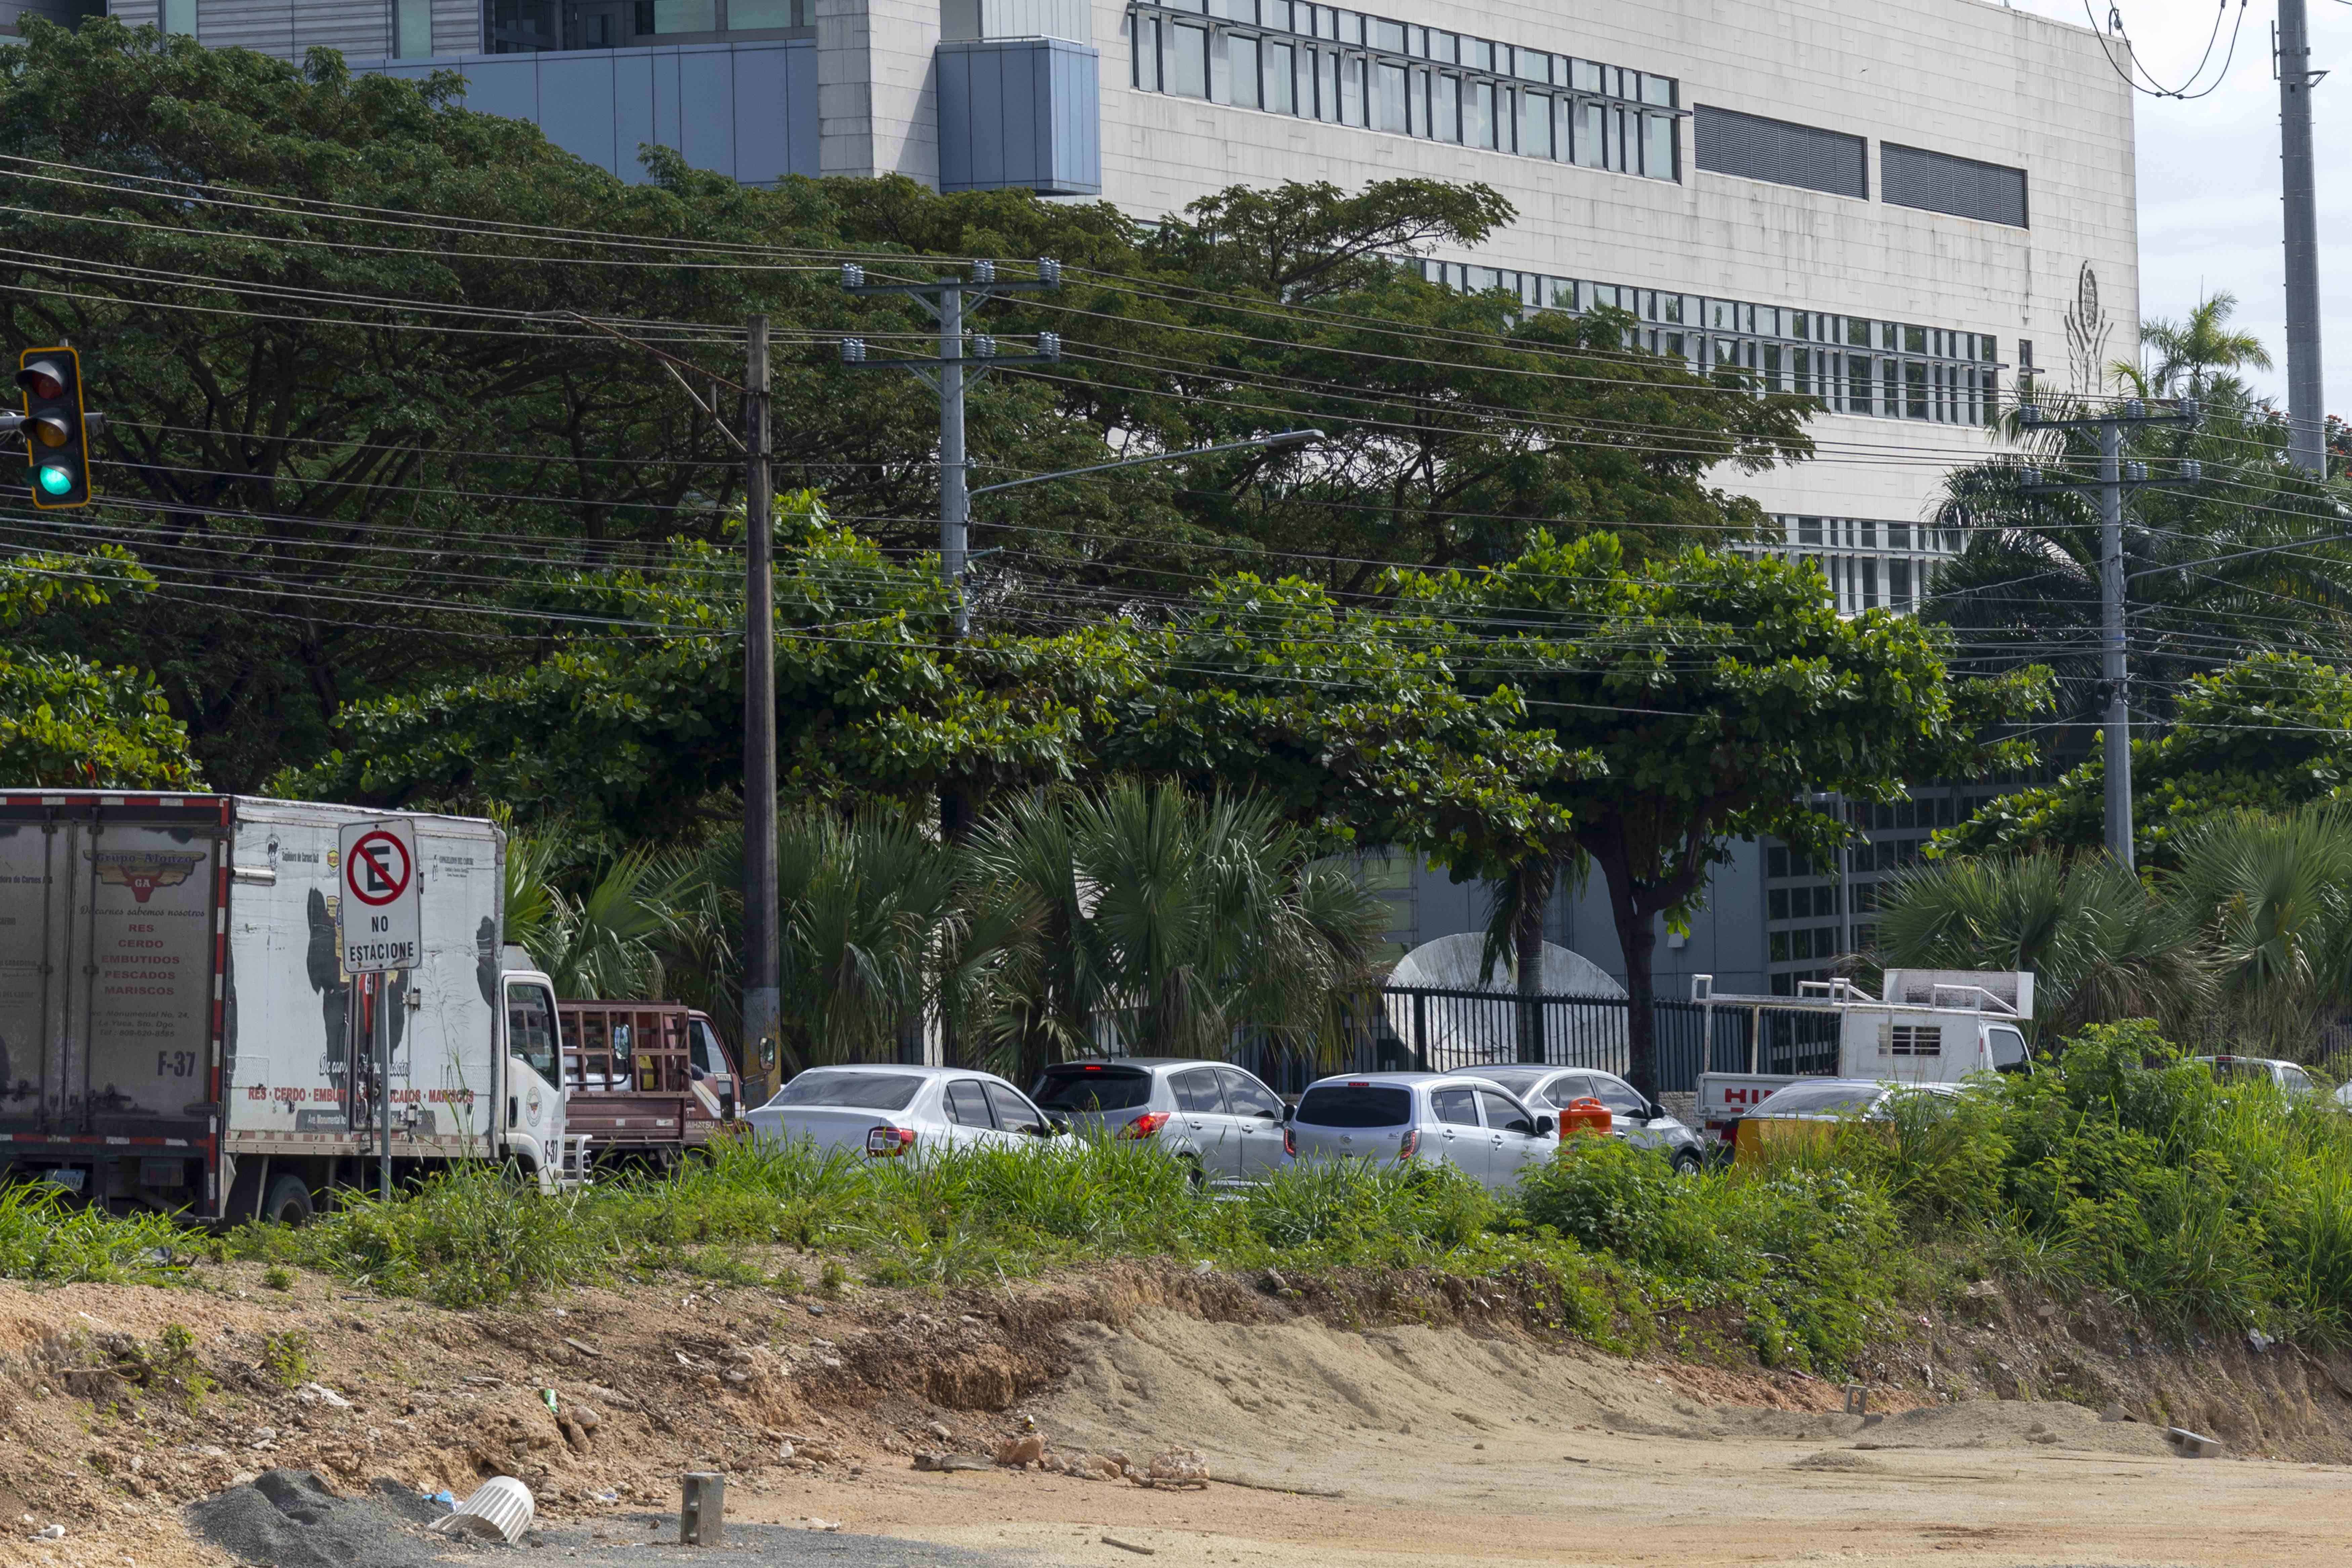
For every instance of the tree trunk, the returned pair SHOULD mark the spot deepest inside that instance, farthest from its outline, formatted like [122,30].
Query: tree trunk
[1534,895]
[1637,939]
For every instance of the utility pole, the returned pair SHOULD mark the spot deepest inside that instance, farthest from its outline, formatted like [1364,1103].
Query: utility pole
[762,961]
[951,373]
[2116,478]
[2306,395]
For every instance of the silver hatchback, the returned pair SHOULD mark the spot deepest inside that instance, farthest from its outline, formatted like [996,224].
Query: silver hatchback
[1224,1123]
[1465,1120]
[1635,1119]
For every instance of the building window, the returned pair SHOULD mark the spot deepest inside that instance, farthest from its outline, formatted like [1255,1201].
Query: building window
[180,17]
[1914,177]
[1610,118]
[412,30]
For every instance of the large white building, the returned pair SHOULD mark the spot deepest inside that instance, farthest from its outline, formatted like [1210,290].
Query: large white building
[1899,206]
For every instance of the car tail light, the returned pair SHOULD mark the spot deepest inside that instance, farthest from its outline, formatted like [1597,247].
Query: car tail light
[1409,1144]
[885,1140]
[1290,1142]
[1146,1125]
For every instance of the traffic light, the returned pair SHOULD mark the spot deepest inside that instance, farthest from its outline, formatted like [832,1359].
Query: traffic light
[57,428]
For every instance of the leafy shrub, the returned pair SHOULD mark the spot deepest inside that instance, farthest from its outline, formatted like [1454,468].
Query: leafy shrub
[286,1358]
[46,1239]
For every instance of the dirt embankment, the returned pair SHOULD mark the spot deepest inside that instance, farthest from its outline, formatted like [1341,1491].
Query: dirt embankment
[599,1401]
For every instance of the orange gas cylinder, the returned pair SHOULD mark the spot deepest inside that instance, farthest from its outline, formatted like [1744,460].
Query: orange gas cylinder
[1584,1115]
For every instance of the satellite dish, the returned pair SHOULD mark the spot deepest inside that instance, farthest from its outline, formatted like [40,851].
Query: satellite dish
[1583,1017]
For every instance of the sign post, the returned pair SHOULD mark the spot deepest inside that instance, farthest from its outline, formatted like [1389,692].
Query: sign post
[381,932]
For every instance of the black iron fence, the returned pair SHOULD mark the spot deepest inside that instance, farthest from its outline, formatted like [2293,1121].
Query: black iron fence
[1416,1029]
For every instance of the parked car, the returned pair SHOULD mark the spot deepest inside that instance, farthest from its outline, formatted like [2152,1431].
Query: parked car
[890,1111]
[1810,1109]
[2292,1080]
[1223,1122]
[1464,1119]
[1639,1122]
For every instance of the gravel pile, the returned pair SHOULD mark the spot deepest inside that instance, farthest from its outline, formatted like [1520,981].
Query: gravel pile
[290,1519]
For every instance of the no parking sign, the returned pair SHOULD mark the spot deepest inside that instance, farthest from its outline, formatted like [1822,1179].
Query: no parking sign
[380,928]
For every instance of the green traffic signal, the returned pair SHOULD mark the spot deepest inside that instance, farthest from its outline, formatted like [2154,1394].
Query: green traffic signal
[56,427]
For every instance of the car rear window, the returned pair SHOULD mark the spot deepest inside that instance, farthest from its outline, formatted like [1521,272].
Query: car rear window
[1819,1100]
[859,1091]
[1079,1087]
[1356,1105]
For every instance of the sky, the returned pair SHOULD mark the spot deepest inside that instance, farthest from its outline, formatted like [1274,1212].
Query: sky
[2209,173]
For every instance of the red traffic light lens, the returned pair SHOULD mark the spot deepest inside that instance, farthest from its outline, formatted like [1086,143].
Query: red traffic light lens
[42,380]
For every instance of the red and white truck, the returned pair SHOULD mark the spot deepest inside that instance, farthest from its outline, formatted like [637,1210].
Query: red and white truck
[1928,1026]
[177,1031]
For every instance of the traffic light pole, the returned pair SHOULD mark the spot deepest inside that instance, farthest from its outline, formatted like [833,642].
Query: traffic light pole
[2116,478]
[762,954]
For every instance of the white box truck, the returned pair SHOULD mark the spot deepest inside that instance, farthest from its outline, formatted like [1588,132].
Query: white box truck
[1928,1026]
[177,1031]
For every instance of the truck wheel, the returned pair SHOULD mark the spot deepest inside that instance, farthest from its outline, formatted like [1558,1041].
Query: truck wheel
[289,1202]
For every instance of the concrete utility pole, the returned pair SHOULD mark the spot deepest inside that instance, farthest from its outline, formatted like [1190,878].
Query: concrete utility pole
[762,954]
[950,374]
[2116,478]
[2306,395]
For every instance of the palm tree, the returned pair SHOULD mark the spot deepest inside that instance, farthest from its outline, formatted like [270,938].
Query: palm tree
[2271,892]
[2195,349]
[2102,946]
[1139,916]
[601,941]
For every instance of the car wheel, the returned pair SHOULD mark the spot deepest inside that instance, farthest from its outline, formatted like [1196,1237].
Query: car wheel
[1194,1177]
[1687,1162]
[289,1202]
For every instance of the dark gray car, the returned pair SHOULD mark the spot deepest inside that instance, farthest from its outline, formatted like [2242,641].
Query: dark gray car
[1631,1118]
[1221,1122]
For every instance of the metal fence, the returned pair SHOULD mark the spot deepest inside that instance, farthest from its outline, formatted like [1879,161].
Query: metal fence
[1402,1028]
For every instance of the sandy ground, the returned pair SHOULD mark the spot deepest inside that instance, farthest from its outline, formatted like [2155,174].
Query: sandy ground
[1464,1442]
[1447,1450]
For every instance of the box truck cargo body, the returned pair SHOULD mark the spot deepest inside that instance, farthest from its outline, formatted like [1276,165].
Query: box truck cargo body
[177,1029]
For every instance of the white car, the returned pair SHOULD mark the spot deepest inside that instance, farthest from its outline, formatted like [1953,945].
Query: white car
[1462,1119]
[887,1110]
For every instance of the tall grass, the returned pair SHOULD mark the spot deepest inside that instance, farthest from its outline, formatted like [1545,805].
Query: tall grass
[2119,1169]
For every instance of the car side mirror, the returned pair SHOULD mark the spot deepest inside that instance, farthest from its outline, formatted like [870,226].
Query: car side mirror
[1287,1112]
[1654,1111]
[1056,1124]
[1544,1125]
[1280,1113]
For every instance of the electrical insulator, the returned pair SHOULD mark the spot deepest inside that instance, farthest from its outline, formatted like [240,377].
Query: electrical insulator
[983,347]
[1049,346]
[1049,272]
[2192,470]
[852,275]
[2028,415]
[853,351]
[984,271]
[2029,477]
[2134,409]
[2136,471]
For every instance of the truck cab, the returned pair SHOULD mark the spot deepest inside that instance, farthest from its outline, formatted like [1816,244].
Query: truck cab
[529,1103]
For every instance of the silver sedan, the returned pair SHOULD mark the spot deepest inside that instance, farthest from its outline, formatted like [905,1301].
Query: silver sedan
[889,1112]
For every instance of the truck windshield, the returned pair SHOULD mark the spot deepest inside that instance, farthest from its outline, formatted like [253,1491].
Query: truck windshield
[859,1091]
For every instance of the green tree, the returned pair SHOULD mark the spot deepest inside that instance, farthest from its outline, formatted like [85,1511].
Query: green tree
[1717,695]
[2102,946]
[65,720]
[2270,733]
[1162,920]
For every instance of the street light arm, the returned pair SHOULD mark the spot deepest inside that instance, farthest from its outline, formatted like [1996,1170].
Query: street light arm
[1286,439]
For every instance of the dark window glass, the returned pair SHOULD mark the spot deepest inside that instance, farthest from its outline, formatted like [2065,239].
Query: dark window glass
[1618,1095]
[1914,177]
[1355,1105]
[1503,1113]
[854,1091]
[531,1030]
[967,1103]
[1075,1086]
[1565,1088]
[1014,1113]
[1197,1091]
[1456,1107]
[1752,147]
[1245,1096]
